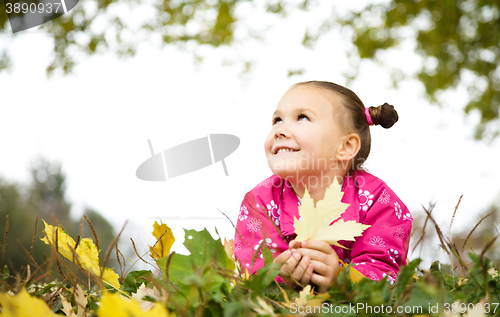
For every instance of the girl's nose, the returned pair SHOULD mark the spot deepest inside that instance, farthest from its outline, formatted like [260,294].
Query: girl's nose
[281,133]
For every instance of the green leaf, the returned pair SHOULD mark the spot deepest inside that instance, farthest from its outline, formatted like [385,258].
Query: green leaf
[202,272]
[235,308]
[134,280]
[5,274]
[268,255]
[404,277]
[262,279]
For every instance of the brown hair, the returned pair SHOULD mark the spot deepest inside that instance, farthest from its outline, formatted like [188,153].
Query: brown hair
[355,119]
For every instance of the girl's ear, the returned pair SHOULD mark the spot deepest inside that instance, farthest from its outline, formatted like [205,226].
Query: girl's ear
[349,148]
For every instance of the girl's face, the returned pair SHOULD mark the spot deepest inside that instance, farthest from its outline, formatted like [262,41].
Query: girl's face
[306,134]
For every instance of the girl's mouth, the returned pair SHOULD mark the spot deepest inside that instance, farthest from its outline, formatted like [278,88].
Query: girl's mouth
[281,150]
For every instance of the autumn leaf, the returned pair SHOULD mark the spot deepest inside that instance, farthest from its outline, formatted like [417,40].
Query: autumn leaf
[85,254]
[88,256]
[153,293]
[80,300]
[263,308]
[229,247]
[164,240]
[115,305]
[65,244]
[355,275]
[67,307]
[314,223]
[111,277]
[306,298]
[23,305]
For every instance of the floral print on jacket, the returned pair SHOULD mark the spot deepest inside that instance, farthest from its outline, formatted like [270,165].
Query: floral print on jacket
[267,215]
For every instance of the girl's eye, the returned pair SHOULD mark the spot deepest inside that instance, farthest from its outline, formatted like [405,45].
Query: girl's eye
[303,117]
[277,120]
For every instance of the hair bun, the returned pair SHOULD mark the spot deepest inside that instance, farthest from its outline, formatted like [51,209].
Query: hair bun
[384,115]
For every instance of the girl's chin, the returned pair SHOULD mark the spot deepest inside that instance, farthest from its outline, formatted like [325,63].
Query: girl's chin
[290,175]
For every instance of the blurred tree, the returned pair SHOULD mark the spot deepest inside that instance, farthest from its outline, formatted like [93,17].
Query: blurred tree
[47,194]
[21,226]
[484,232]
[458,39]
[93,27]
[45,197]
[475,238]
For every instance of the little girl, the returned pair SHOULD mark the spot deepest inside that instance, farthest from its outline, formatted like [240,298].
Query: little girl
[320,131]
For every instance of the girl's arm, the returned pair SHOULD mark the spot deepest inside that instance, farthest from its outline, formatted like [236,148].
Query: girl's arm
[382,249]
[254,227]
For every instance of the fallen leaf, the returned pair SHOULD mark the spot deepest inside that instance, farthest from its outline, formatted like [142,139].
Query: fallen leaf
[23,305]
[302,299]
[164,240]
[111,277]
[316,222]
[143,291]
[115,305]
[67,308]
[228,246]
[80,300]
[85,254]
[264,308]
[355,275]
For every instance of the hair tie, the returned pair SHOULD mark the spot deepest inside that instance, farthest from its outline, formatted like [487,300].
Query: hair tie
[368,116]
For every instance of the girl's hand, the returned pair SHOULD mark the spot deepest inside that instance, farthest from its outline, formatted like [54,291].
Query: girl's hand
[325,262]
[294,266]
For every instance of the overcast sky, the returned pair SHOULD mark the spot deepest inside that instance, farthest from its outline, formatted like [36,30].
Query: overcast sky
[96,123]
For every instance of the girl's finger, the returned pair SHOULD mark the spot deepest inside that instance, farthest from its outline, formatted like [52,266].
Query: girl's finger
[291,263]
[319,255]
[313,254]
[306,278]
[318,245]
[320,268]
[321,282]
[283,257]
[301,268]
[294,244]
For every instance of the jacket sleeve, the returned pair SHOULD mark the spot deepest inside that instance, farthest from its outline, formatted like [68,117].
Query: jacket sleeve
[383,248]
[255,227]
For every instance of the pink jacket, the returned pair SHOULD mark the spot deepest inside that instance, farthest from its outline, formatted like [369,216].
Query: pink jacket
[267,213]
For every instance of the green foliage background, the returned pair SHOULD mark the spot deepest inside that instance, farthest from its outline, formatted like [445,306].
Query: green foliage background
[458,40]
[44,197]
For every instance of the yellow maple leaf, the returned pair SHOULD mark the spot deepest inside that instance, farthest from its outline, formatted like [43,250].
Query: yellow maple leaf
[314,223]
[65,244]
[23,305]
[111,277]
[115,305]
[85,254]
[164,240]
[88,255]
